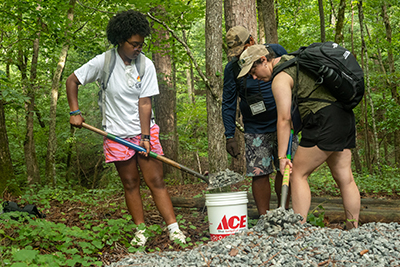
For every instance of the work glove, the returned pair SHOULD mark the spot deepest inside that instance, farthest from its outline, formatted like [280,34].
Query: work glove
[232,147]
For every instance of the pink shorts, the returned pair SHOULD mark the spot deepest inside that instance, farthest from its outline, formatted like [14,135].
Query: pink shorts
[114,151]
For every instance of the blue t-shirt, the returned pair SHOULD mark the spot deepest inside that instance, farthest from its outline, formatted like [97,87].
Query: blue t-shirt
[261,123]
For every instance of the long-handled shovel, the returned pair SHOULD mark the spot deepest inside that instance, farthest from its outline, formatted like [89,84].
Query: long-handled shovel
[286,173]
[213,180]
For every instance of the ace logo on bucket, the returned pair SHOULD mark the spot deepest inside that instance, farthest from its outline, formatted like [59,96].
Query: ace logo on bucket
[227,213]
[233,222]
[228,226]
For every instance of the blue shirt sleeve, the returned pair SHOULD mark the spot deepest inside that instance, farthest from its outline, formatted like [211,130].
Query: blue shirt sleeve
[229,100]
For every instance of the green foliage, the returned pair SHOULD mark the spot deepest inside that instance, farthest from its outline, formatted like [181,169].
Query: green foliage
[316,216]
[30,236]
[251,223]
[40,242]
[385,182]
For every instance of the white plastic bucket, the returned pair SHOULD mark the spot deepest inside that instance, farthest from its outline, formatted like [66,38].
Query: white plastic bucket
[227,213]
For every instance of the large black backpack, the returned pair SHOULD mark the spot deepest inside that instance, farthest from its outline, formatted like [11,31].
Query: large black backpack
[334,67]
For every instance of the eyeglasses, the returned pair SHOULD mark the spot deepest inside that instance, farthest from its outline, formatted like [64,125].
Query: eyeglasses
[137,45]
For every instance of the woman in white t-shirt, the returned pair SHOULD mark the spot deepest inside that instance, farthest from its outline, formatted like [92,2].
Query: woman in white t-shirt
[128,114]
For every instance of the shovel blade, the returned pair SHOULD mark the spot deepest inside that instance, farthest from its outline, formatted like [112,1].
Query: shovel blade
[224,178]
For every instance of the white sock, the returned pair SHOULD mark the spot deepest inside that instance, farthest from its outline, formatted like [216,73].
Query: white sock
[173,227]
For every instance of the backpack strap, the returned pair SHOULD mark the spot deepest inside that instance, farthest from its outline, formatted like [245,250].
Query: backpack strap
[283,66]
[109,63]
[140,63]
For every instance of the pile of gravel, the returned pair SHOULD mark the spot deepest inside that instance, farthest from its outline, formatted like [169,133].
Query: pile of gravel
[279,240]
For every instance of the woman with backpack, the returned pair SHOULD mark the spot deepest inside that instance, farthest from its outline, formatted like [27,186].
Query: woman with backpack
[128,114]
[328,131]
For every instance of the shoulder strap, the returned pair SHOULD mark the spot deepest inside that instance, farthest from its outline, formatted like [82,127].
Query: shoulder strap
[108,67]
[283,66]
[140,64]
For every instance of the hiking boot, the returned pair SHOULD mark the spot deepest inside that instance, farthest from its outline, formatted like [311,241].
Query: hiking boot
[177,235]
[139,239]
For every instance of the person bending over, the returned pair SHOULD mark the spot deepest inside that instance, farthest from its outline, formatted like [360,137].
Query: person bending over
[328,131]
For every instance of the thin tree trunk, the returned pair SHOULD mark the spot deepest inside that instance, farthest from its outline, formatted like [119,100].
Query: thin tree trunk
[355,151]
[217,157]
[165,102]
[352,30]
[32,166]
[190,85]
[366,70]
[340,21]
[6,167]
[366,131]
[52,142]
[261,29]
[392,85]
[321,20]
[267,8]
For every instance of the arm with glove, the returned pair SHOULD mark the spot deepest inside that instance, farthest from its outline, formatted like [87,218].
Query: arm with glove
[229,103]
[232,147]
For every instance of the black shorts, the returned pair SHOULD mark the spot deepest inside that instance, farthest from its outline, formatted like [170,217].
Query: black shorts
[331,129]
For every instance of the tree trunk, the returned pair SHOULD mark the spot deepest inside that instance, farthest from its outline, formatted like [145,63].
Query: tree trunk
[165,102]
[267,9]
[6,167]
[238,15]
[366,71]
[321,20]
[241,13]
[392,85]
[32,166]
[216,140]
[52,142]
[261,29]
[340,21]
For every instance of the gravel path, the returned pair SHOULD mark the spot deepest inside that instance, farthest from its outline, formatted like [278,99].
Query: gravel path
[279,240]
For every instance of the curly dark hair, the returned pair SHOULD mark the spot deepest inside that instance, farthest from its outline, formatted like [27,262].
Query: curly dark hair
[124,24]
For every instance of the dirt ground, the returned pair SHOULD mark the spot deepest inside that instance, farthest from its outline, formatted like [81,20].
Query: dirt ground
[193,221]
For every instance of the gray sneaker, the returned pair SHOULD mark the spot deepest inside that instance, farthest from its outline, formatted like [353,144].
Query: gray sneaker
[177,235]
[139,239]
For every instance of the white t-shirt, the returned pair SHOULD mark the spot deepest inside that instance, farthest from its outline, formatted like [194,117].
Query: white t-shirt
[122,93]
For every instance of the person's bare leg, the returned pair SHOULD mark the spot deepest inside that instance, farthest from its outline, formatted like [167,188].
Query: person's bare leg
[130,178]
[261,193]
[278,189]
[152,171]
[304,163]
[340,165]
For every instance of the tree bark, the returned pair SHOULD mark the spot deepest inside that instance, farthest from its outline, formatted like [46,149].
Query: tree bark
[321,20]
[6,167]
[241,13]
[340,21]
[366,71]
[165,102]
[52,142]
[217,157]
[392,85]
[237,14]
[261,29]
[267,9]
[32,166]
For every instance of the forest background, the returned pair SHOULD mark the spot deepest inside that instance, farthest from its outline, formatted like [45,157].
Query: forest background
[43,42]
[46,161]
